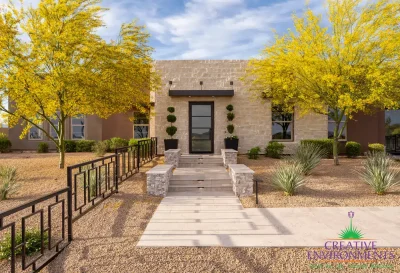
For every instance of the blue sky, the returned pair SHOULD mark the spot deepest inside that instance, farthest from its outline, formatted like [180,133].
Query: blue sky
[204,29]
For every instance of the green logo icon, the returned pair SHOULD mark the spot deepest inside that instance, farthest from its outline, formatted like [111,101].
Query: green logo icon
[351,232]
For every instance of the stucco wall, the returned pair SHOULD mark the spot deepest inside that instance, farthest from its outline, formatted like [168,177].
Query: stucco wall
[253,117]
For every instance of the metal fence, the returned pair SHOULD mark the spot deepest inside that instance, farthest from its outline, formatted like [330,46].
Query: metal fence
[88,184]
[393,144]
[42,224]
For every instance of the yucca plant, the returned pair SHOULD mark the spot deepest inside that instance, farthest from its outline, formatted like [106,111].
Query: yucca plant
[8,181]
[288,177]
[308,156]
[379,172]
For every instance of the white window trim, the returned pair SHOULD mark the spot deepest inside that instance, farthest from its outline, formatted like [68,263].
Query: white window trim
[40,133]
[272,125]
[84,129]
[134,124]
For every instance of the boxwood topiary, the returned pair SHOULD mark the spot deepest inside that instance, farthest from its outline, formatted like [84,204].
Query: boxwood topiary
[353,149]
[171,109]
[230,128]
[229,107]
[171,130]
[230,116]
[171,118]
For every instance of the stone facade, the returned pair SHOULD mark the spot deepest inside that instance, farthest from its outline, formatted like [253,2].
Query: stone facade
[172,157]
[242,179]
[158,180]
[252,121]
[229,156]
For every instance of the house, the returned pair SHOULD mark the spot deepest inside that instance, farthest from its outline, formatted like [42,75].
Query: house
[200,90]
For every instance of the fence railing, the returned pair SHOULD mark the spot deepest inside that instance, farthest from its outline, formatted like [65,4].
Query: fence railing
[37,230]
[88,184]
[393,144]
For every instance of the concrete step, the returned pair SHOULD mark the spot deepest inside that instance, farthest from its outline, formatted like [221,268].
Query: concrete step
[196,177]
[201,183]
[200,165]
[173,188]
[200,160]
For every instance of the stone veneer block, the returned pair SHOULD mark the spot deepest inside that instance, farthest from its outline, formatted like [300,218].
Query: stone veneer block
[172,157]
[229,156]
[158,180]
[242,179]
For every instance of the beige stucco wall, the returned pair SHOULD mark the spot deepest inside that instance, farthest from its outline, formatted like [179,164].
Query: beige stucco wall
[253,117]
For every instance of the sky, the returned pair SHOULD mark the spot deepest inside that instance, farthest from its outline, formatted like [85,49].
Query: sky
[204,29]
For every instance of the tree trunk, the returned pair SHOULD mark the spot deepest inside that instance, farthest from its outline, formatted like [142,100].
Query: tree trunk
[61,148]
[335,144]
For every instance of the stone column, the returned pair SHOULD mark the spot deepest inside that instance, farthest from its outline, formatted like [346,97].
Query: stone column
[172,157]
[242,179]
[229,156]
[158,180]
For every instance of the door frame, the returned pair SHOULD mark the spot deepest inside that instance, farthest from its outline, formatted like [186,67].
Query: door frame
[190,125]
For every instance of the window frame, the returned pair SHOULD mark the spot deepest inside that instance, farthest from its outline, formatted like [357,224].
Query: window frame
[75,125]
[341,122]
[40,133]
[291,122]
[141,124]
[51,129]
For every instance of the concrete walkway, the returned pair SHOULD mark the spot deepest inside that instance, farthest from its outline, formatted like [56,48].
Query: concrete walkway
[218,219]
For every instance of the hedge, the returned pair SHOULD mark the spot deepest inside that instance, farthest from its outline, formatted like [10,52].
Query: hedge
[43,147]
[5,145]
[353,149]
[376,147]
[85,145]
[324,143]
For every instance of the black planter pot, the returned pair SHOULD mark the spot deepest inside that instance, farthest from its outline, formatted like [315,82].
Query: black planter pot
[170,144]
[231,143]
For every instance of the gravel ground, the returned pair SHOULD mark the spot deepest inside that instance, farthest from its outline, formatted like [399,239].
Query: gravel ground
[327,186]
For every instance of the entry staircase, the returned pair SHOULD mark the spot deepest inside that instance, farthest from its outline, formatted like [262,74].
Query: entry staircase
[200,173]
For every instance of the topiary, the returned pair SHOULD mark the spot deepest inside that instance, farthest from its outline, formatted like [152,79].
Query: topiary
[229,107]
[353,149]
[171,109]
[230,128]
[43,147]
[171,130]
[230,116]
[171,118]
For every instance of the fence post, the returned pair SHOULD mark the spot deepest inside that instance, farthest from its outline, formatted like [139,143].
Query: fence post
[151,149]
[156,146]
[138,157]
[116,170]
[69,206]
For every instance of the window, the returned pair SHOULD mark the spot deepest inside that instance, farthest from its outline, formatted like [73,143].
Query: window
[53,132]
[35,133]
[140,125]
[78,127]
[332,124]
[392,122]
[282,124]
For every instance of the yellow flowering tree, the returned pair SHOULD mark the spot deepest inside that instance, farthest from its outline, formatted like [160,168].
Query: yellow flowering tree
[349,66]
[53,65]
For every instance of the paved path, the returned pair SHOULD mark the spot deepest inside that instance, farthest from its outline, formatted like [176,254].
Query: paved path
[218,219]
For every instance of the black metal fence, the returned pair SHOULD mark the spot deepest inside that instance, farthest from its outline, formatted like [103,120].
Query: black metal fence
[37,230]
[88,184]
[393,144]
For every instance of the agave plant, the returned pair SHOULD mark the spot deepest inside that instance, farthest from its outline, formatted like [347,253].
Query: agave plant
[379,172]
[288,177]
[8,181]
[308,156]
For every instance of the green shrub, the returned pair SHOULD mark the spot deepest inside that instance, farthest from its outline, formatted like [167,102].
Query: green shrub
[100,148]
[117,142]
[308,155]
[380,172]
[43,147]
[85,145]
[171,118]
[8,181]
[230,128]
[253,153]
[353,149]
[5,143]
[230,116]
[171,130]
[288,177]
[32,246]
[325,143]
[229,107]
[135,141]
[70,146]
[171,109]
[274,149]
[376,147]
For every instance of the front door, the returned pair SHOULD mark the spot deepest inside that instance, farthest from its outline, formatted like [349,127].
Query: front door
[201,127]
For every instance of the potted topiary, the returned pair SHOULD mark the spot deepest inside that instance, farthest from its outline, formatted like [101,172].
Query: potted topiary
[231,141]
[171,131]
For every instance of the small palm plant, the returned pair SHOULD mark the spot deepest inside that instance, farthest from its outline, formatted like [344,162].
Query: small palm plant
[308,156]
[288,177]
[379,172]
[8,181]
